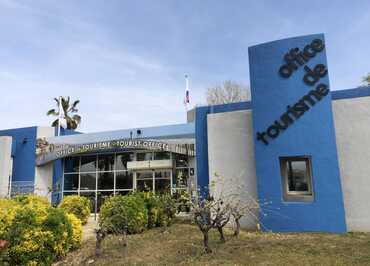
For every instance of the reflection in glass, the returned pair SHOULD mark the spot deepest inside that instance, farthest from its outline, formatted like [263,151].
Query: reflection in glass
[88,163]
[162,156]
[144,175]
[69,194]
[298,180]
[181,178]
[181,160]
[122,159]
[88,181]
[162,185]
[106,162]
[70,182]
[102,196]
[144,156]
[91,197]
[144,185]
[123,193]
[106,180]
[71,164]
[124,180]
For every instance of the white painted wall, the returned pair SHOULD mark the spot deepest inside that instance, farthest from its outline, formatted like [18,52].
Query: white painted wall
[352,125]
[231,156]
[5,164]
[44,173]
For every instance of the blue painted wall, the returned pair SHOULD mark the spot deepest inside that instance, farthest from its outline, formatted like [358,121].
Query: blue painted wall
[24,146]
[311,135]
[56,195]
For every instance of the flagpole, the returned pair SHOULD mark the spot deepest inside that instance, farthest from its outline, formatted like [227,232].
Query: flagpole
[59,106]
[186,92]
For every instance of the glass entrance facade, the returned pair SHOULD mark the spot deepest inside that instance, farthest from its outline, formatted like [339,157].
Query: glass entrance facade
[99,176]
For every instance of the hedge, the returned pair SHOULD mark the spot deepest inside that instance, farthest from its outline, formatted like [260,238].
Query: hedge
[77,205]
[136,211]
[36,233]
[120,211]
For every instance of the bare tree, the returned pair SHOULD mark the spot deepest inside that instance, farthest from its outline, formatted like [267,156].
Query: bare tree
[221,207]
[229,92]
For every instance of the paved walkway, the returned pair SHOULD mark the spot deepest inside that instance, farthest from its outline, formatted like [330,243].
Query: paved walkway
[88,230]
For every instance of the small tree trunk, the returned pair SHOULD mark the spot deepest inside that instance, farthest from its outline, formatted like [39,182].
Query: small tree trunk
[100,235]
[205,242]
[222,237]
[237,227]
[124,243]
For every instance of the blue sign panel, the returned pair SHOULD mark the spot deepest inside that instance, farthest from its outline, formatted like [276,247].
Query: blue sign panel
[298,178]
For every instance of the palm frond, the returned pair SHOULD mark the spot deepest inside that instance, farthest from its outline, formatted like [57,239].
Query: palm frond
[77,118]
[52,112]
[55,123]
[73,108]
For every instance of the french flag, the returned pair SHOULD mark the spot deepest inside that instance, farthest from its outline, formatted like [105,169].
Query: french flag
[187,93]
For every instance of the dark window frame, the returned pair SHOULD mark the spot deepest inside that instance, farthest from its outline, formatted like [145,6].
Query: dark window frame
[296,196]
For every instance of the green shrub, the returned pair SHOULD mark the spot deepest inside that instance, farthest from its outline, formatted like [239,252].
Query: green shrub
[37,233]
[77,205]
[119,212]
[153,206]
[161,208]
[169,207]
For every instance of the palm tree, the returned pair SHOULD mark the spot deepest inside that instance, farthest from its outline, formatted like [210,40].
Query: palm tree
[366,80]
[72,122]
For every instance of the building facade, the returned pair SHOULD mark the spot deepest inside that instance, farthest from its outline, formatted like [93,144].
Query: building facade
[297,148]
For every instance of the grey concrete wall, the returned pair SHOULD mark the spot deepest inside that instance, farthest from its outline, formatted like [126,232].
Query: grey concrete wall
[5,164]
[352,125]
[44,173]
[231,157]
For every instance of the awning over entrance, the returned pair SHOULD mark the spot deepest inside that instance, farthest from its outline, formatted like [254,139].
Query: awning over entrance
[48,150]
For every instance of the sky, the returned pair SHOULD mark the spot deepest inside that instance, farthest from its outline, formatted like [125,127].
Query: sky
[125,60]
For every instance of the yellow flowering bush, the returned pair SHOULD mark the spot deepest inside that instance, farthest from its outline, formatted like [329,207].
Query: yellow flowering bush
[76,230]
[37,233]
[7,213]
[77,205]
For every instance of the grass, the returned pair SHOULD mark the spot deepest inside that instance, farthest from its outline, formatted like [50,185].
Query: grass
[181,244]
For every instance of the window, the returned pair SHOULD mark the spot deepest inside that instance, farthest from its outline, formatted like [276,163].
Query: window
[144,156]
[88,181]
[162,156]
[181,160]
[124,180]
[296,178]
[71,164]
[144,181]
[70,182]
[106,162]
[162,182]
[122,159]
[88,163]
[181,178]
[106,180]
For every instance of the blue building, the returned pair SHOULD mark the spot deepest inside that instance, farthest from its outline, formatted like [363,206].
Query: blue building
[298,149]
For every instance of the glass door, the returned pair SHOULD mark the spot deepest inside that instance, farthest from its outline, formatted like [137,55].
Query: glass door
[144,181]
[158,181]
[162,181]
